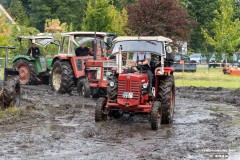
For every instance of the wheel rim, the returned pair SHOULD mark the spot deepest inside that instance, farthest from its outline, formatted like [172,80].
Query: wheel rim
[24,74]
[56,79]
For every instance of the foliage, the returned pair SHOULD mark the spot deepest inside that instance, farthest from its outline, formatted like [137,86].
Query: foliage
[159,17]
[226,30]
[101,15]
[18,12]
[202,13]
[71,12]
[5,31]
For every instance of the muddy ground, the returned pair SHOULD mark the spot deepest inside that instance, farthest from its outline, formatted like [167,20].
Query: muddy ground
[52,126]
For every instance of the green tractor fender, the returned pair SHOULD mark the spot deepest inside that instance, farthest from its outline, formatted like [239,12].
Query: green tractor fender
[28,58]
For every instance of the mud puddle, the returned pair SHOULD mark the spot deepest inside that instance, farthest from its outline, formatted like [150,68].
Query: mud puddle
[52,126]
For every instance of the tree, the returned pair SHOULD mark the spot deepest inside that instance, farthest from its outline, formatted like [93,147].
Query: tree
[226,30]
[101,15]
[18,12]
[159,17]
[202,13]
[71,12]
[5,31]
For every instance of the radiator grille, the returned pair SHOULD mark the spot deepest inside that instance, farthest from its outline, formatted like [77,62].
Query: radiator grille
[129,86]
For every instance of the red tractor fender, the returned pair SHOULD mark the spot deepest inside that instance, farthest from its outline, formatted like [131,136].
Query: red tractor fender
[168,70]
[59,57]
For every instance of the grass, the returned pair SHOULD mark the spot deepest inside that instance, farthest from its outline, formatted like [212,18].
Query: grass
[205,77]
[10,111]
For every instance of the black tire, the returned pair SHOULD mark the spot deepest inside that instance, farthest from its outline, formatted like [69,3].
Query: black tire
[167,98]
[62,77]
[95,92]
[83,88]
[112,91]
[156,115]
[100,109]
[11,92]
[26,67]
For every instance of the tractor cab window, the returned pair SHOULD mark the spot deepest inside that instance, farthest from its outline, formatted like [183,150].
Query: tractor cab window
[64,45]
[88,42]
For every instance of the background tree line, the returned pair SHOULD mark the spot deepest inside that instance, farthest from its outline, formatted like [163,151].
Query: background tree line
[206,25]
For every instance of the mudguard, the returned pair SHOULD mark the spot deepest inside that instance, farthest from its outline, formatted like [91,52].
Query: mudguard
[28,58]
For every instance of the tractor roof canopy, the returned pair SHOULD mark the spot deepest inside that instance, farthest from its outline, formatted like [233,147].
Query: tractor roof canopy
[84,34]
[39,40]
[153,45]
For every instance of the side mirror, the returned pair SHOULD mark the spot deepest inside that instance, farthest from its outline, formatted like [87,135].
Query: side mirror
[168,49]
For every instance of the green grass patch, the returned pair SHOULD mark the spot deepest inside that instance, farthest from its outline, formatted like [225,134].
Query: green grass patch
[205,77]
[10,111]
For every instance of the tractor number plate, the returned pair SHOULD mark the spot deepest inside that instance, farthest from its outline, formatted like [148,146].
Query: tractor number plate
[127,95]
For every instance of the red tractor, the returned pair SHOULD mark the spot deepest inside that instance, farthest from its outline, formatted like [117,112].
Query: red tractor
[68,68]
[131,92]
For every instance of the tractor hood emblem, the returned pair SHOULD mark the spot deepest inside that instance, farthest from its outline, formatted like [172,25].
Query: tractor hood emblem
[128,77]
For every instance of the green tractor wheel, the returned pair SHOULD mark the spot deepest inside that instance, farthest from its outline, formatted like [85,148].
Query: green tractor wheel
[27,71]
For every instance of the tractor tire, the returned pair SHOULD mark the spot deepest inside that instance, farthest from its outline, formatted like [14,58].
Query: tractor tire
[11,92]
[95,92]
[112,91]
[167,98]
[27,71]
[83,88]
[62,77]
[156,115]
[99,109]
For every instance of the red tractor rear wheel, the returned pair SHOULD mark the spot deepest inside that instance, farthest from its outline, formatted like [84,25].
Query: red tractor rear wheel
[100,109]
[62,77]
[27,71]
[156,115]
[167,98]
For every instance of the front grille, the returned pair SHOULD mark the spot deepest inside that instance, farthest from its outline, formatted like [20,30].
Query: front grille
[129,86]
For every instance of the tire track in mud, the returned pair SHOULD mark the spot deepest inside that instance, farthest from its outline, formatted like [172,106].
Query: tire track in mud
[58,126]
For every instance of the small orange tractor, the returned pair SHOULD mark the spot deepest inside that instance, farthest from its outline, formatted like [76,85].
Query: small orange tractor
[68,69]
[129,91]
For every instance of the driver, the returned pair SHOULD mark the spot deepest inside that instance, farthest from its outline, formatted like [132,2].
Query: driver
[143,59]
[33,51]
[82,51]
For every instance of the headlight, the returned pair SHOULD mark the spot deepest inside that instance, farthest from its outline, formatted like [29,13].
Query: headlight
[111,84]
[145,85]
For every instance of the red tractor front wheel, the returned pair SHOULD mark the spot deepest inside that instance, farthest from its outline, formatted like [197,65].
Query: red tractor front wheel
[100,109]
[156,115]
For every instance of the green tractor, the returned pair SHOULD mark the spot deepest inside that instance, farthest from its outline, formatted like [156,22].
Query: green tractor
[34,69]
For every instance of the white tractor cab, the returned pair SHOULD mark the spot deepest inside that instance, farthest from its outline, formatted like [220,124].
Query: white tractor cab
[34,69]
[69,65]
[130,91]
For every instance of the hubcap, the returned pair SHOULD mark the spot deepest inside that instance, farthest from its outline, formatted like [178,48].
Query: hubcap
[24,74]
